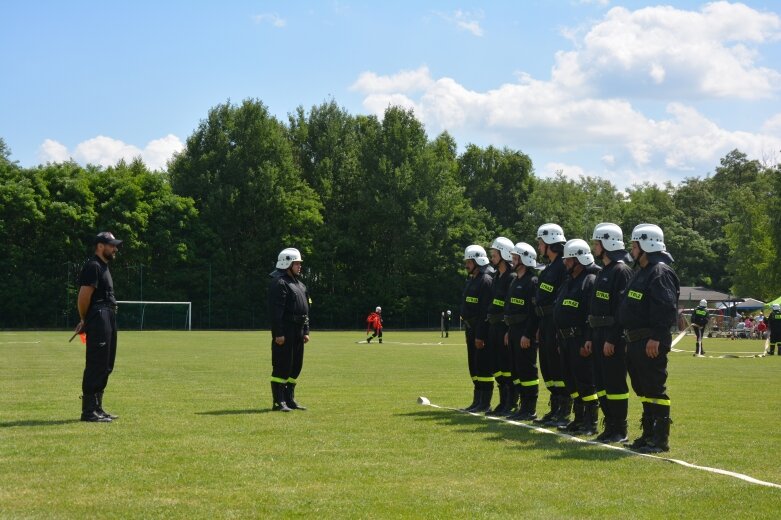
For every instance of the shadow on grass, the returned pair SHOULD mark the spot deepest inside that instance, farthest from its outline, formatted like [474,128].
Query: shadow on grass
[36,422]
[236,412]
[556,446]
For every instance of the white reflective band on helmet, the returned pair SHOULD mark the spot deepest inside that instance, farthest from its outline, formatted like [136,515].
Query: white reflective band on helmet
[650,237]
[527,253]
[476,253]
[504,246]
[578,248]
[288,256]
[610,235]
[551,234]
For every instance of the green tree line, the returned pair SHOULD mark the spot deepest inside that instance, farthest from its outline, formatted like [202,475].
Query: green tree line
[380,210]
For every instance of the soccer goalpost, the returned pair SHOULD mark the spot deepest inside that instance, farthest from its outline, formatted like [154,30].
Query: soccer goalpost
[140,314]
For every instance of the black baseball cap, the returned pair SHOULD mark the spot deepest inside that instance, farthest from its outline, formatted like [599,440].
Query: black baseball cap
[106,237]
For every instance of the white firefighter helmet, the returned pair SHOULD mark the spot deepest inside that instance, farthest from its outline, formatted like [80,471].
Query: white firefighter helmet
[551,234]
[527,254]
[776,307]
[378,309]
[476,253]
[650,237]
[578,248]
[448,312]
[287,256]
[703,303]
[610,235]
[504,246]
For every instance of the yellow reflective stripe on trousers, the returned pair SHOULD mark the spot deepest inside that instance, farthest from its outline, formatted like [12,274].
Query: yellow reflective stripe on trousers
[587,398]
[291,380]
[530,383]
[618,397]
[497,374]
[278,380]
[660,402]
[574,395]
[559,384]
[474,378]
[506,374]
[484,379]
[517,382]
[601,393]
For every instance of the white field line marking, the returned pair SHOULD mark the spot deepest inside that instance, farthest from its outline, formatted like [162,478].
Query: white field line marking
[363,342]
[723,355]
[9,342]
[424,401]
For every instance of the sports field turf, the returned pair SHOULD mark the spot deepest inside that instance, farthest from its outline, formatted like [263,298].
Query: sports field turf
[196,438]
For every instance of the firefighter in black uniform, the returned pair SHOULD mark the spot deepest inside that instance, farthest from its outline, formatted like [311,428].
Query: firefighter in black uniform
[700,319]
[521,320]
[774,333]
[446,315]
[474,308]
[501,257]
[288,301]
[606,334]
[570,314]
[647,312]
[550,244]
[97,307]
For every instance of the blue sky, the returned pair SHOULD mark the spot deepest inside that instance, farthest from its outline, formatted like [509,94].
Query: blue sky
[629,91]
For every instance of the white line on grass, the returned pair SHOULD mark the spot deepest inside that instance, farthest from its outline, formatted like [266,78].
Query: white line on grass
[9,342]
[724,355]
[363,342]
[424,401]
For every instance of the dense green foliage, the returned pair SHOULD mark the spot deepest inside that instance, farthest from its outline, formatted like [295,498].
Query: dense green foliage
[380,210]
[196,438]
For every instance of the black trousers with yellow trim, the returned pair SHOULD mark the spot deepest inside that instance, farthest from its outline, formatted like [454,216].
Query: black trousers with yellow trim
[578,369]
[524,363]
[550,359]
[649,375]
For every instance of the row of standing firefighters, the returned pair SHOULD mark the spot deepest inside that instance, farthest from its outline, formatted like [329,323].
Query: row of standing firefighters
[589,325]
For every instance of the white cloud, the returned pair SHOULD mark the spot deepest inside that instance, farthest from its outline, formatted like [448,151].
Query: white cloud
[464,20]
[570,171]
[695,53]
[105,151]
[577,111]
[270,18]
[53,151]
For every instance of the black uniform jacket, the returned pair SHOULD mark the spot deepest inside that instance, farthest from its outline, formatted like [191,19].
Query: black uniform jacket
[499,290]
[475,303]
[288,302]
[700,316]
[519,304]
[608,287]
[571,309]
[550,279]
[650,300]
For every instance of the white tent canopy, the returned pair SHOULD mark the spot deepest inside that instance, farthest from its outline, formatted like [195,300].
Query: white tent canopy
[742,304]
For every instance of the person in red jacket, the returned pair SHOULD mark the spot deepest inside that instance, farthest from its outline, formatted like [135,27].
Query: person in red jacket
[374,324]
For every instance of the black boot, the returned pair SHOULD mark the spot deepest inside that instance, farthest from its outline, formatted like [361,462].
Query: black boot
[475,400]
[291,397]
[485,400]
[278,395]
[588,425]
[647,424]
[553,403]
[514,395]
[616,427]
[528,409]
[369,339]
[562,416]
[576,423]
[89,413]
[660,440]
[500,408]
[100,409]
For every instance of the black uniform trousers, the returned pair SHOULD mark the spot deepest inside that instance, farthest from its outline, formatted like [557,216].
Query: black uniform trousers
[501,356]
[578,370]
[550,361]
[101,329]
[480,362]
[610,374]
[649,376]
[288,359]
[524,363]
[698,333]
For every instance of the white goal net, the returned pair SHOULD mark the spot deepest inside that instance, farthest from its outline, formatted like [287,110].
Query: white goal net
[146,315]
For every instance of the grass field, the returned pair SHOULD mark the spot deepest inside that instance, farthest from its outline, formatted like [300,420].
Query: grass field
[196,438]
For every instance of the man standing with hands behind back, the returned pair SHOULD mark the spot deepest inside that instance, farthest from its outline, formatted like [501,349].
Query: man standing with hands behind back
[97,307]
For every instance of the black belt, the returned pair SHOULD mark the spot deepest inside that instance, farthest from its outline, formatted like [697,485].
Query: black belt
[636,334]
[570,332]
[299,319]
[493,319]
[513,319]
[543,310]
[601,321]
